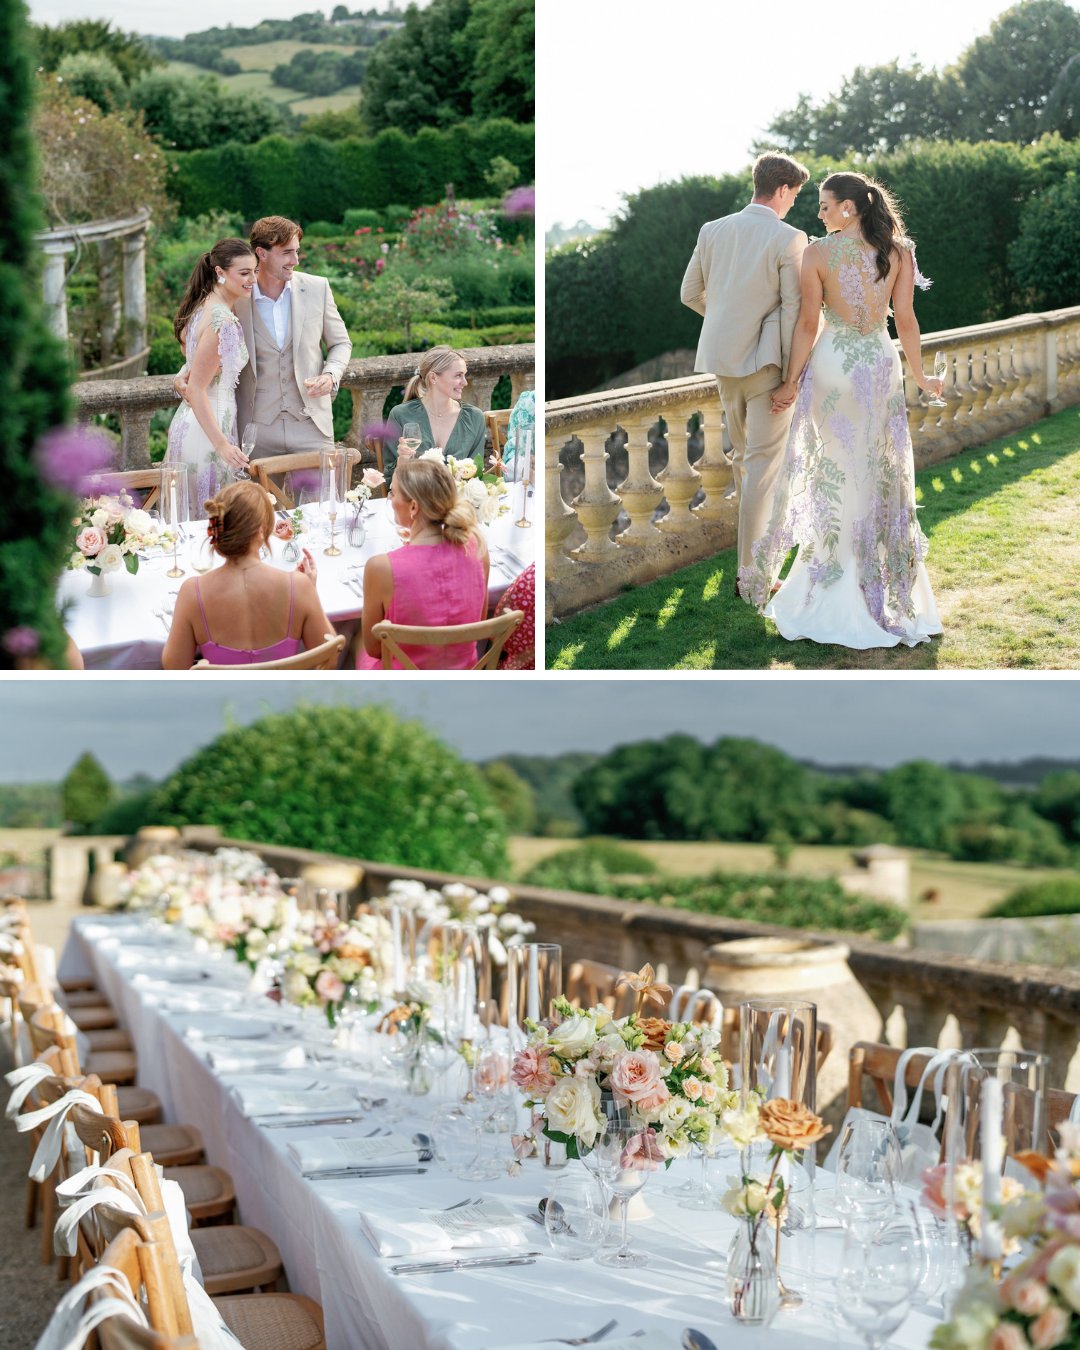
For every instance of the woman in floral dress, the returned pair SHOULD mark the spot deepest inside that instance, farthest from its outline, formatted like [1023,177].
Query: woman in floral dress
[846,495]
[203,432]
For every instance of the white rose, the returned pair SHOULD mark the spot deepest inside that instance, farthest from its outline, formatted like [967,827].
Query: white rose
[573,1037]
[138,522]
[1063,1273]
[99,519]
[571,1107]
[422,991]
[77,560]
[110,559]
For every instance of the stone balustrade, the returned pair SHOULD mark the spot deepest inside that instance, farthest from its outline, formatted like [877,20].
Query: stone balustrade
[369,381]
[922,998]
[1000,378]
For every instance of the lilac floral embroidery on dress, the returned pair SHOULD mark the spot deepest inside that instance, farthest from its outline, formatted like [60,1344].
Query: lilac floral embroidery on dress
[188,443]
[846,495]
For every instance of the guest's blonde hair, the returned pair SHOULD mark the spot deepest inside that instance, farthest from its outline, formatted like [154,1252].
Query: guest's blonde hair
[432,487]
[239,513]
[433,362]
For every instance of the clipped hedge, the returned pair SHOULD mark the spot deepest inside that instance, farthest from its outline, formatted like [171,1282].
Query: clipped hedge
[589,867]
[308,177]
[1059,896]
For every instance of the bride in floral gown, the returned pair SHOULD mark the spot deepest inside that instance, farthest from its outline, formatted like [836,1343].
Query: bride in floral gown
[846,494]
[202,434]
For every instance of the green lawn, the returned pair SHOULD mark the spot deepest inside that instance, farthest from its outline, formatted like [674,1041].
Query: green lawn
[259,60]
[1004,528]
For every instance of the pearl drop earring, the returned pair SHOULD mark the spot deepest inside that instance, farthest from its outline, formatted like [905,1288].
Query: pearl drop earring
[221,277]
[845,214]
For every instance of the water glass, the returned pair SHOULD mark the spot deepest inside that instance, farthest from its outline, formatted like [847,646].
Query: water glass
[455,1140]
[868,1170]
[879,1274]
[575,1215]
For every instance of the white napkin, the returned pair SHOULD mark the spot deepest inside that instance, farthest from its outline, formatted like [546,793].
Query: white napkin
[321,1154]
[258,1057]
[219,1027]
[297,1100]
[652,1340]
[490,1223]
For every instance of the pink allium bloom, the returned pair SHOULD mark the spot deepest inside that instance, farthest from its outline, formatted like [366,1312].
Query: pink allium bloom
[532,1070]
[69,457]
[642,1153]
[329,987]
[90,541]
[636,1078]
[21,641]
[521,201]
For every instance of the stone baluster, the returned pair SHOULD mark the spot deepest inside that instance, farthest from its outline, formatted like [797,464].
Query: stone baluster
[481,387]
[1050,366]
[559,519]
[1012,402]
[925,1017]
[135,438]
[960,412]
[922,422]
[596,505]
[1032,389]
[680,481]
[367,406]
[714,471]
[640,492]
[520,380]
[110,302]
[981,385]
[134,293]
[54,287]
[996,417]
[1059,1044]
[983,1027]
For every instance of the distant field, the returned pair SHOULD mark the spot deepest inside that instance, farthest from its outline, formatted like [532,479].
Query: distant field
[964,890]
[260,60]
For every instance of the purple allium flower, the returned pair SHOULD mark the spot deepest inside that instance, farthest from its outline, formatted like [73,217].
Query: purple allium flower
[382,431]
[22,641]
[303,479]
[521,201]
[68,457]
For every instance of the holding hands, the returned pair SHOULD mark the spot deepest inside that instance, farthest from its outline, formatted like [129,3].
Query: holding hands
[783,396]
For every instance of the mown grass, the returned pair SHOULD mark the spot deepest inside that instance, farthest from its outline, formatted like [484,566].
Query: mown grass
[258,61]
[1003,522]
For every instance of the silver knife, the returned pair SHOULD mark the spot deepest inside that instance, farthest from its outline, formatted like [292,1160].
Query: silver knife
[289,1122]
[463,1263]
[364,1172]
[512,556]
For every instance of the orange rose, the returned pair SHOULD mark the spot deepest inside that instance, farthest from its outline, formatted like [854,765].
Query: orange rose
[790,1125]
[654,1029]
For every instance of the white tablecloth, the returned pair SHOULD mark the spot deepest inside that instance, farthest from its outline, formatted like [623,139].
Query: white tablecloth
[154,980]
[124,630]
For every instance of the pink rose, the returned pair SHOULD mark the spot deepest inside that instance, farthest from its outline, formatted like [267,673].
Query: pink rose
[1050,1328]
[636,1078]
[372,478]
[642,1153]
[532,1070]
[933,1196]
[90,541]
[1030,1298]
[1007,1336]
[329,987]
[283,529]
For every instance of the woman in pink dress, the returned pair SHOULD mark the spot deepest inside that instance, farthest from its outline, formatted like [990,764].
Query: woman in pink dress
[245,611]
[440,577]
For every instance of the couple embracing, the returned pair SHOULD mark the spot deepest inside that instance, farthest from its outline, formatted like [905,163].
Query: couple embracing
[814,400]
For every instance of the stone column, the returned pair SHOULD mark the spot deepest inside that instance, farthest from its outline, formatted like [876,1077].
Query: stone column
[54,283]
[367,405]
[714,470]
[640,492]
[520,380]
[596,505]
[680,481]
[135,438]
[559,519]
[109,298]
[480,389]
[135,293]
[1050,366]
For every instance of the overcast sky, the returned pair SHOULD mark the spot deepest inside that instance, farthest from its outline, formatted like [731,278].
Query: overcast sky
[633,92]
[165,18]
[150,725]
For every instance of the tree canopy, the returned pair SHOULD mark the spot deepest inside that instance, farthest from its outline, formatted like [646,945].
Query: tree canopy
[86,792]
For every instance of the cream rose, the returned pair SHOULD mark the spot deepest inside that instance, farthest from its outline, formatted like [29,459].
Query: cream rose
[571,1108]
[573,1037]
[111,558]
[1063,1272]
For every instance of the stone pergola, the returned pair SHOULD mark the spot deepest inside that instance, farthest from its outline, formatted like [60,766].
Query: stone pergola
[122,248]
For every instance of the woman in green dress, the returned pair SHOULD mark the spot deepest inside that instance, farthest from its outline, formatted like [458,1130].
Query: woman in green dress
[433,403]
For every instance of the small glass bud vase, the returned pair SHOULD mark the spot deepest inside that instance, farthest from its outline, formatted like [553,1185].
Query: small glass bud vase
[357,531]
[418,1068]
[753,1293]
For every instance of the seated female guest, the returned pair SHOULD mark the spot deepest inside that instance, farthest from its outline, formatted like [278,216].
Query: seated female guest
[433,406]
[246,611]
[440,577]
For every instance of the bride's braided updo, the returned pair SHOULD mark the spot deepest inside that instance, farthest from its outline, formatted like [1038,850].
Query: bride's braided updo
[878,212]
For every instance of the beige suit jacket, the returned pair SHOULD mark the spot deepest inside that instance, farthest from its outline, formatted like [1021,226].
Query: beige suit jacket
[313,320]
[744,279]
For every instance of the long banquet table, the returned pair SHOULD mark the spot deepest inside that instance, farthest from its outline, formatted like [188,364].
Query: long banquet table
[171,998]
[126,629]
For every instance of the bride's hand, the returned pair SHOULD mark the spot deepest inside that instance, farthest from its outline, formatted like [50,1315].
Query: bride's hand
[234,457]
[933,385]
[179,385]
[783,396]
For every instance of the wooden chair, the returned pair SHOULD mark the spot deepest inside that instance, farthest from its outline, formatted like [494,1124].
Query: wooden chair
[698,1006]
[267,470]
[589,983]
[50,1025]
[323,657]
[495,630]
[729,1039]
[142,1264]
[133,480]
[497,420]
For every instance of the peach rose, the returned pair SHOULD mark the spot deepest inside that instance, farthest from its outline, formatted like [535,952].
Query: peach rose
[673,1052]
[532,1070]
[655,1030]
[636,1078]
[90,541]
[790,1125]
[283,529]
[329,987]
[1029,1297]
[1007,1336]
[1050,1328]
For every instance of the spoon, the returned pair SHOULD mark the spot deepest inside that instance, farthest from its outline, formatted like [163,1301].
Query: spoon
[692,1339]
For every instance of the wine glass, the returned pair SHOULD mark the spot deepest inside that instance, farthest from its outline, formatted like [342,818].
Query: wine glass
[868,1171]
[200,552]
[941,365]
[247,444]
[879,1273]
[575,1215]
[410,434]
[622,1157]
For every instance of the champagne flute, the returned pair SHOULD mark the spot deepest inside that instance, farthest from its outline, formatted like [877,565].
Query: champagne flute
[624,1156]
[410,434]
[247,444]
[941,365]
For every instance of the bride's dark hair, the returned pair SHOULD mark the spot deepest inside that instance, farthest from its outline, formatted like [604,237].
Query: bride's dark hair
[224,253]
[878,212]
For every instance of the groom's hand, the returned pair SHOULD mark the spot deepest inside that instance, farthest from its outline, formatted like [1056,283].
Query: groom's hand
[783,397]
[320,386]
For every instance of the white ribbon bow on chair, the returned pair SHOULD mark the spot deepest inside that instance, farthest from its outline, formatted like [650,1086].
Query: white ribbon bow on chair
[72,1322]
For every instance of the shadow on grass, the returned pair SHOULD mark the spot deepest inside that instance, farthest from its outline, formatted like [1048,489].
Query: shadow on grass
[692,619]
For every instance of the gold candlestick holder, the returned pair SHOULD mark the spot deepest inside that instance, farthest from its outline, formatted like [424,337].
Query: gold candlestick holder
[524,523]
[332,550]
[175,570]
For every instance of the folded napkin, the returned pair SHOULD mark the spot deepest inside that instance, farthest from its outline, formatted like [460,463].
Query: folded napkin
[298,1100]
[489,1223]
[226,1060]
[652,1340]
[227,1028]
[330,1155]
[169,998]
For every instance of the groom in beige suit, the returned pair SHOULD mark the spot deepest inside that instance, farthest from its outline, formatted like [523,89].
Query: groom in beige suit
[744,280]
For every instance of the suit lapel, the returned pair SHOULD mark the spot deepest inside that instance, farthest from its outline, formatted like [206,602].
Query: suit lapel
[296,319]
[245,310]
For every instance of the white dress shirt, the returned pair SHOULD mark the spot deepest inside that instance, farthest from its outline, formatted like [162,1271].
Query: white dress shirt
[275,313]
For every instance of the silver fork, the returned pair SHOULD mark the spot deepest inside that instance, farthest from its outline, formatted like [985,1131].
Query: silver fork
[583,1340]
